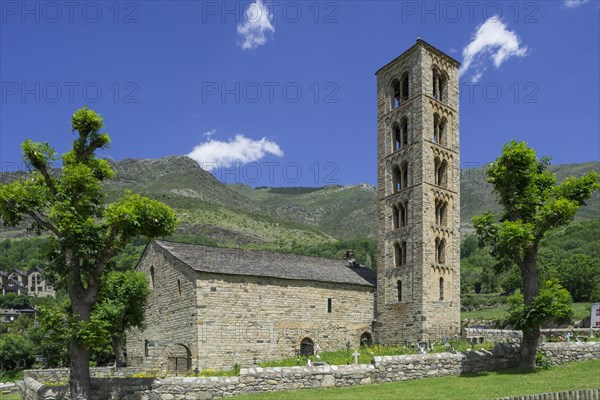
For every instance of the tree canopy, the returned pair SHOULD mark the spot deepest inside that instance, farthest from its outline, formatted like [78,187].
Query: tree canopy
[86,234]
[533,205]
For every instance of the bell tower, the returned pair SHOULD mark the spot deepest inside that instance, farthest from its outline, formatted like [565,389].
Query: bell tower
[418,197]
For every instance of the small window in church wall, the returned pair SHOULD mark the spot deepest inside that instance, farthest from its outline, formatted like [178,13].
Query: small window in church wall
[441,289]
[179,287]
[146,350]
[329,305]
[399,289]
[152,276]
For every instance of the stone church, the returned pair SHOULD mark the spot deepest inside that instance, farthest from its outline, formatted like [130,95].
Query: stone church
[215,307]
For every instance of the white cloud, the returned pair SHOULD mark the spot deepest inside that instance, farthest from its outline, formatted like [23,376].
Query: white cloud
[210,133]
[574,3]
[214,154]
[256,24]
[494,41]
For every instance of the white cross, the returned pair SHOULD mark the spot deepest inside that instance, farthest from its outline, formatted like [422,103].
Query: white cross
[355,355]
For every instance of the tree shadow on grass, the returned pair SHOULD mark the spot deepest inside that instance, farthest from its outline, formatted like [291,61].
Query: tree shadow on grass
[510,371]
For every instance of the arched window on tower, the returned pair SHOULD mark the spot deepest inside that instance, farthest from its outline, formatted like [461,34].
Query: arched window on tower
[441,212]
[397,255]
[439,85]
[441,289]
[403,217]
[443,174]
[442,132]
[395,91]
[400,253]
[399,290]
[440,172]
[404,131]
[404,169]
[395,217]
[434,83]
[443,86]
[396,179]
[440,251]
[436,127]
[405,86]
[396,137]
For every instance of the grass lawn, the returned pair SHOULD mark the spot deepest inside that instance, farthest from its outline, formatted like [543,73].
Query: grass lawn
[10,397]
[498,313]
[486,385]
[580,311]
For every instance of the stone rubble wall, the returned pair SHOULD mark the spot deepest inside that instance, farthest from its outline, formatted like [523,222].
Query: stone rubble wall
[508,336]
[493,335]
[257,379]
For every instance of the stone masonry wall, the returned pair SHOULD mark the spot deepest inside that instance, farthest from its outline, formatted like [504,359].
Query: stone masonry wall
[254,380]
[219,320]
[508,336]
[171,329]
[244,320]
[422,313]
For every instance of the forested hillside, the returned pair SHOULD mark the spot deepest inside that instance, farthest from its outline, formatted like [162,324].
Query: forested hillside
[321,221]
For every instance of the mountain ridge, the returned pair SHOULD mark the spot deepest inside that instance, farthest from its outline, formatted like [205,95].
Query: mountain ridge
[212,212]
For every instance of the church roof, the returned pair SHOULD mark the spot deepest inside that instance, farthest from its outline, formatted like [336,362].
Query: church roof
[230,261]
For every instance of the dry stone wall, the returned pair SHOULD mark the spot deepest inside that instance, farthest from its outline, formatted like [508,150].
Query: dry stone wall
[256,379]
[509,336]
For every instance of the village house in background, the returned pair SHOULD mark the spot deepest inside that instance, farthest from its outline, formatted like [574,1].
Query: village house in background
[25,283]
[215,307]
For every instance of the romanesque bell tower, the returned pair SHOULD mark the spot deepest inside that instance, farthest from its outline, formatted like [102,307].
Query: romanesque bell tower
[418,213]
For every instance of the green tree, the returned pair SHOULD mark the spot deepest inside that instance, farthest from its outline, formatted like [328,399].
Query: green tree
[86,234]
[578,274]
[12,300]
[51,335]
[122,302]
[553,302]
[15,351]
[533,205]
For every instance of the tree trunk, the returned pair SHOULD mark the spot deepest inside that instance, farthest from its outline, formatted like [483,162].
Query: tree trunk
[79,353]
[118,350]
[80,371]
[529,345]
[531,334]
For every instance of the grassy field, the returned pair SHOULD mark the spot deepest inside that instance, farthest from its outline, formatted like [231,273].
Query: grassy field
[580,311]
[10,397]
[487,385]
[344,357]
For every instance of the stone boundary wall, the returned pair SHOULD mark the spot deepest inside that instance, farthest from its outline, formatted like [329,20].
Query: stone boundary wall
[507,335]
[493,335]
[257,379]
[60,375]
[584,394]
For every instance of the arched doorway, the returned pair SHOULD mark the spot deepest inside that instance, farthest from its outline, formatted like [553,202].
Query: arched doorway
[366,339]
[179,359]
[307,347]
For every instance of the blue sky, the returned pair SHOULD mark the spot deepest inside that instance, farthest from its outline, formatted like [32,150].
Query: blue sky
[283,93]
